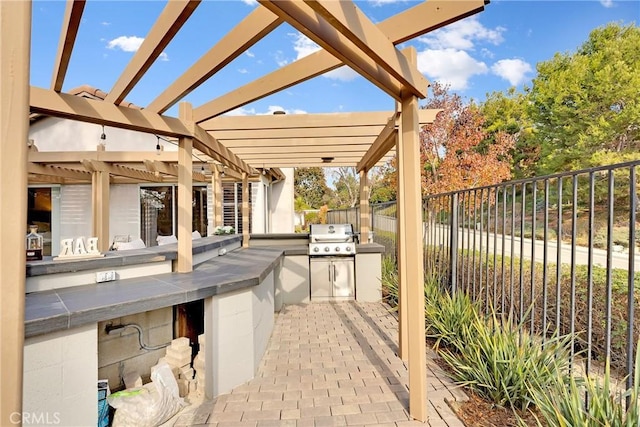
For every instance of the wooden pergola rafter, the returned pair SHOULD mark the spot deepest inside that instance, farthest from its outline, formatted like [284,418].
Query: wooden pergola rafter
[346,36]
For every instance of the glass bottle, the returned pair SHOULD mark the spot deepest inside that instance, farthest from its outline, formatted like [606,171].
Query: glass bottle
[35,243]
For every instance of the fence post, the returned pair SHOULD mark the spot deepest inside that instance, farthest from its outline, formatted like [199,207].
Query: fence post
[453,258]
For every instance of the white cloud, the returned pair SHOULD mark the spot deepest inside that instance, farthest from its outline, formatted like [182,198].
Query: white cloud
[250,54]
[243,70]
[486,53]
[280,59]
[270,110]
[303,45]
[131,44]
[513,70]
[343,74]
[126,43]
[607,3]
[105,23]
[384,2]
[463,35]
[250,2]
[450,67]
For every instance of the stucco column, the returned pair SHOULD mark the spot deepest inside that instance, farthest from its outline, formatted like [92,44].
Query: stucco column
[412,273]
[365,219]
[185,194]
[15,42]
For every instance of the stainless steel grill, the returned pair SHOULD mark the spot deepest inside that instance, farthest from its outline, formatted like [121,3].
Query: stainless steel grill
[331,240]
[332,250]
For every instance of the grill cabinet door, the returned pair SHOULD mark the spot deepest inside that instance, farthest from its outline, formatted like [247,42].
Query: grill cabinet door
[321,278]
[343,277]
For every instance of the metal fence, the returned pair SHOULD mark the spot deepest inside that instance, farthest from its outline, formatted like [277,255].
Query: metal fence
[558,252]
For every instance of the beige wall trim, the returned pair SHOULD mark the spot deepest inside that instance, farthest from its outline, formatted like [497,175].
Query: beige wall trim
[68,34]
[15,41]
[249,31]
[172,18]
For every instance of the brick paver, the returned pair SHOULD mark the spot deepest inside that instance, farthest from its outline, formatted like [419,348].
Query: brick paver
[334,364]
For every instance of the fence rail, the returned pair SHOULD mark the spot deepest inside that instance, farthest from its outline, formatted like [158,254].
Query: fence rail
[558,252]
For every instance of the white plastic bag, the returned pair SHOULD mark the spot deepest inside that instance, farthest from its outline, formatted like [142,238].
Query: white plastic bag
[149,405]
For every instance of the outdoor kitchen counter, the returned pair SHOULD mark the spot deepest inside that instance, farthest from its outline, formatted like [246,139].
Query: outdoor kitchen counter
[66,308]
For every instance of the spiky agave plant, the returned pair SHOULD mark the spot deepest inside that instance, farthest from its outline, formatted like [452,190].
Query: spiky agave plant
[504,364]
[563,405]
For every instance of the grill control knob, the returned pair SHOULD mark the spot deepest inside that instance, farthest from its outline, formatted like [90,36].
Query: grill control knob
[316,249]
[348,249]
[337,248]
[326,248]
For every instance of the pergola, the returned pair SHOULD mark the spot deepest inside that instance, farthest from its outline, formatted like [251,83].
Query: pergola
[241,144]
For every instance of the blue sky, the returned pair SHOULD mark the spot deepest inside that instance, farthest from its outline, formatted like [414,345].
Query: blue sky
[491,51]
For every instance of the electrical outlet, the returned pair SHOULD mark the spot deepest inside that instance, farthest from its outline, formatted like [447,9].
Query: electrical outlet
[105,276]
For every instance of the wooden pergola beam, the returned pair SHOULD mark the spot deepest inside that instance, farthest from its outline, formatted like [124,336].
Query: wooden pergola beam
[381,146]
[172,18]
[312,25]
[420,19]
[249,31]
[68,34]
[171,169]
[73,107]
[349,20]
[120,170]
[57,171]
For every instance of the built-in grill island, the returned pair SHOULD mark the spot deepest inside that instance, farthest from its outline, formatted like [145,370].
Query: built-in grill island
[332,250]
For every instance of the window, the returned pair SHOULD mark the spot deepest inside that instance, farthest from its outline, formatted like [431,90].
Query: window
[158,207]
[39,209]
[232,206]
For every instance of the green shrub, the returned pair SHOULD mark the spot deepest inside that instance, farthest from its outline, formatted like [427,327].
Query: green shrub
[504,364]
[389,281]
[449,318]
[563,404]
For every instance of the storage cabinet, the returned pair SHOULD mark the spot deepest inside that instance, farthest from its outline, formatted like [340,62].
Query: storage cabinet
[332,278]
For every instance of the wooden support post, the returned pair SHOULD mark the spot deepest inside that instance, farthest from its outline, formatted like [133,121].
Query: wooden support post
[15,36]
[365,218]
[216,182]
[413,273]
[401,229]
[245,210]
[185,194]
[100,195]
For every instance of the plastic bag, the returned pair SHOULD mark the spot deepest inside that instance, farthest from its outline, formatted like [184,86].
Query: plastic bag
[149,405]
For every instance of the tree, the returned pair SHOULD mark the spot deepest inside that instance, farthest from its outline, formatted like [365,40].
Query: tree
[347,187]
[507,112]
[456,151]
[310,186]
[586,104]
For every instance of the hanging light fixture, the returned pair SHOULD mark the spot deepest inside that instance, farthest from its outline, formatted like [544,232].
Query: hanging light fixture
[103,136]
[158,148]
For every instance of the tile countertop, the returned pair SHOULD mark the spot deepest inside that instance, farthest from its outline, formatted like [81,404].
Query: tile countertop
[129,257]
[66,308]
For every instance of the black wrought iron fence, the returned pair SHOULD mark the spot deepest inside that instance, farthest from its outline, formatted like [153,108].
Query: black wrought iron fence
[559,253]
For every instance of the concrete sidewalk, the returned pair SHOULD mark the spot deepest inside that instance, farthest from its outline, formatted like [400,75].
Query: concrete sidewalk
[330,364]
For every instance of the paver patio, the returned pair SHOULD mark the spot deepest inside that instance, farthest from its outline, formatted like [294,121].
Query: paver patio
[330,364]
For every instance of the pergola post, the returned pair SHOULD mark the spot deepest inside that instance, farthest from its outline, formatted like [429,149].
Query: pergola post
[401,229]
[412,274]
[216,183]
[365,216]
[245,210]
[100,195]
[185,194]
[15,36]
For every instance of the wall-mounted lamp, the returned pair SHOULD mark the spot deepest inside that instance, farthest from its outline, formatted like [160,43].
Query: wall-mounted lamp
[158,147]
[103,136]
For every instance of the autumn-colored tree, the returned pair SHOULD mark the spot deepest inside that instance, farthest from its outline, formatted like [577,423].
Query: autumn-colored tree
[456,151]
